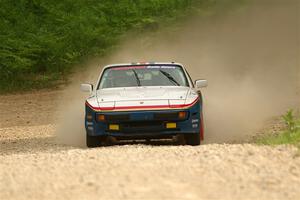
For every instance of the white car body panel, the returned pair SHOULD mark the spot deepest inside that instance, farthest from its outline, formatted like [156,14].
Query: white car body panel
[142,93]
[164,96]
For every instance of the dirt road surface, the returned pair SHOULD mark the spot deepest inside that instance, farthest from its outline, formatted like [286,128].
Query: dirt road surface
[34,166]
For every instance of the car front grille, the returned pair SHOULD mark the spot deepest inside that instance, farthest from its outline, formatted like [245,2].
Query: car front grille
[158,116]
[141,126]
[117,118]
[169,116]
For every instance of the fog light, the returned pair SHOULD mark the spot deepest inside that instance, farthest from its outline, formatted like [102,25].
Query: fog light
[101,118]
[182,115]
[114,127]
[171,125]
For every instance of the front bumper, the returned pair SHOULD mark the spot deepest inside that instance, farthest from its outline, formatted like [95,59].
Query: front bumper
[144,124]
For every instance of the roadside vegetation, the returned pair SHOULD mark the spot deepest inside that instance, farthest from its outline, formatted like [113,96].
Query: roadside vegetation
[41,40]
[290,135]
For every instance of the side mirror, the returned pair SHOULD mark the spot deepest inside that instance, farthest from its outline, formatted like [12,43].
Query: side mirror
[200,84]
[86,88]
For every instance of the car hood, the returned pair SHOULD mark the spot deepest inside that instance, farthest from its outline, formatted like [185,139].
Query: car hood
[142,96]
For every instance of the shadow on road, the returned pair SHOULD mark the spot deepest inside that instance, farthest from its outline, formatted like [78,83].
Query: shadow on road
[150,143]
[30,145]
[50,145]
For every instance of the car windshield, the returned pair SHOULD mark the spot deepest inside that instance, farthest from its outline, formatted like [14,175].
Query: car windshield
[134,76]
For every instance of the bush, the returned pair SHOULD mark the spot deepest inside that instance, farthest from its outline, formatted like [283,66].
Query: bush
[41,40]
[46,37]
[291,135]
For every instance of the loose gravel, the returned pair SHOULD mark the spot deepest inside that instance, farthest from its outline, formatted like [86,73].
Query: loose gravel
[34,166]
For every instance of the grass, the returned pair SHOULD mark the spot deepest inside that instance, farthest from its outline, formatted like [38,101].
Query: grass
[291,134]
[32,81]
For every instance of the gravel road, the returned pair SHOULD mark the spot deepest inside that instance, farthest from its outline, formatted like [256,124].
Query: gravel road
[34,166]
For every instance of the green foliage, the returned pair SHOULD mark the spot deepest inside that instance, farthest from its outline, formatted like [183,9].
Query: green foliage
[290,121]
[46,38]
[289,136]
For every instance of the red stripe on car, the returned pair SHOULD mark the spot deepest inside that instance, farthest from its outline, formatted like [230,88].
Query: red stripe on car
[140,107]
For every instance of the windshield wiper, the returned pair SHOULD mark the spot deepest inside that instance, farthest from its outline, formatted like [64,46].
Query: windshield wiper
[171,78]
[137,77]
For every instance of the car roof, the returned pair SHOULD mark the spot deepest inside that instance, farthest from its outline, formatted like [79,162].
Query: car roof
[142,63]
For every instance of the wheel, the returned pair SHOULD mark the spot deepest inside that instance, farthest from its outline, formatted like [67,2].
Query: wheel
[192,139]
[93,141]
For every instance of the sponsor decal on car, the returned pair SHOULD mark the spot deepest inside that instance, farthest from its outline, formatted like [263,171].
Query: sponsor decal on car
[143,67]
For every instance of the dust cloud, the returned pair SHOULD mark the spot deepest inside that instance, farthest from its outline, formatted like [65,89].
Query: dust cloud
[250,56]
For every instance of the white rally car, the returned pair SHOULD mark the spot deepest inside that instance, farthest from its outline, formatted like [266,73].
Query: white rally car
[144,101]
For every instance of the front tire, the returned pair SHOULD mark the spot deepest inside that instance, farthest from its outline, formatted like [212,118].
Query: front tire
[192,139]
[93,141]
